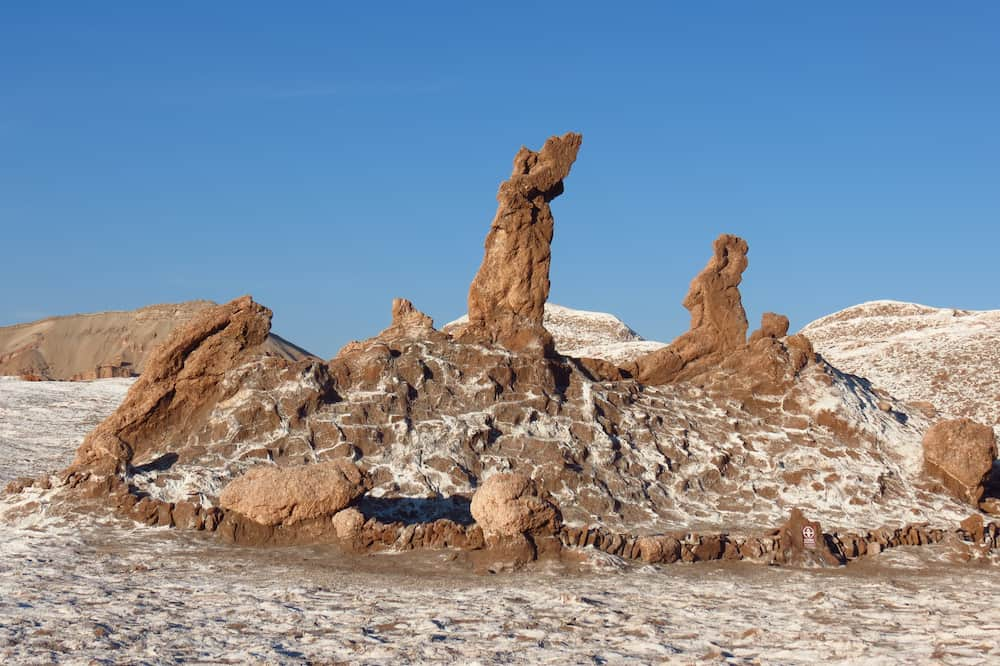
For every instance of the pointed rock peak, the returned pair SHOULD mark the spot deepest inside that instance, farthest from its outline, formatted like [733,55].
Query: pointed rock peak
[507,296]
[405,315]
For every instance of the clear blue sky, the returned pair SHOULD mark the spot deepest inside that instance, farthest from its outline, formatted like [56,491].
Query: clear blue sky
[327,157]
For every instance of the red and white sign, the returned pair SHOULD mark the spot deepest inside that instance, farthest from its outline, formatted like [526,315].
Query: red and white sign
[809,537]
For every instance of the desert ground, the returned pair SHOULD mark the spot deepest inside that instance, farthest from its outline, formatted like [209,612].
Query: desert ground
[91,588]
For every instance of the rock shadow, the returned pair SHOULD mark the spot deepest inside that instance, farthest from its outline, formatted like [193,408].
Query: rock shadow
[855,381]
[413,510]
[161,464]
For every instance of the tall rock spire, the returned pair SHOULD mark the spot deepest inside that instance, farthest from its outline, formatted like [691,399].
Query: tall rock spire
[508,294]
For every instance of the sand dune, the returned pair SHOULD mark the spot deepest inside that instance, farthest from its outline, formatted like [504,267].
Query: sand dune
[102,344]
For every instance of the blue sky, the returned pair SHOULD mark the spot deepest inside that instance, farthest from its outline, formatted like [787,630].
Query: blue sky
[327,157]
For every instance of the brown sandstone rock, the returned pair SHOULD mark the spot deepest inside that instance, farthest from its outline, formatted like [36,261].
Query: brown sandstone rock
[273,495]
[510,504]
[182,377]
[508,294]
[960,454]
[801,541]
[718,321]
[772,325]
[407,322]
[659,549]
[348,523]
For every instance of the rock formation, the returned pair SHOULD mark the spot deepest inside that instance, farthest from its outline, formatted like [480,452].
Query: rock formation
[273,495]
[511,504]
[718,321]
[960,454]
[508,294]
[183,378]
[407,320]
[717,337]
[735,433]
[772,325]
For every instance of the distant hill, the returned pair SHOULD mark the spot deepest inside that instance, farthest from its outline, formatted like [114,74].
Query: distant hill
[947,357]
[582,333]
[102,344]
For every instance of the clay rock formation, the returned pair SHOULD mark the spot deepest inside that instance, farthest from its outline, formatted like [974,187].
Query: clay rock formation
[408,318]
[717,339]
[508,294]
[104,344]
[739,434]
[718,321]
[183,377]
[511,504]
[272,495]
[960,454]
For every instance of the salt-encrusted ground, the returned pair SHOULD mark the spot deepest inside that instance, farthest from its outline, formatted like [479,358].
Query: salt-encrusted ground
[76,591]
[944,356]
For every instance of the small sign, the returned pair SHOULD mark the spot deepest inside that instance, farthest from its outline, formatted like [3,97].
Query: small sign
[809,537]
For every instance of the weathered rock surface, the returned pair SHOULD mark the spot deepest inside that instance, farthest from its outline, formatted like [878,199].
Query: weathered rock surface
[273,495]
[407,321]
[511,505]
[508,294]
[960,454]
[772,325]
[102,345]
[718,321]
[183,380]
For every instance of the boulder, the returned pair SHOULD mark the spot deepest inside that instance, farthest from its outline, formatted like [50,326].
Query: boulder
[508,294]
[772,325]
[348,523]
[272,495]
[509,504]
[960,454]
